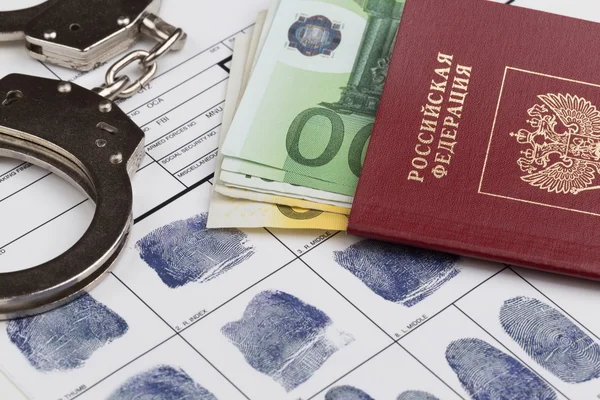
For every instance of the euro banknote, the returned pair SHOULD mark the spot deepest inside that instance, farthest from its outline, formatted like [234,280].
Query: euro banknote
[238,166]
[286,189]
[228,212]
[308,111]
[239,192]
[340,208]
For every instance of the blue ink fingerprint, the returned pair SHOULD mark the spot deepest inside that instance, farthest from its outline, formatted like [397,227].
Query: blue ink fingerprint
[486,373]
[551,339]
[185,251]
[346,392]
[161,383]
[400,274]
[416,395]
[285,338]
[64,338]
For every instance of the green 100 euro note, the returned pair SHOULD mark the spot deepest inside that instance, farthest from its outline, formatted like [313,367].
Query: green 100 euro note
[308,112]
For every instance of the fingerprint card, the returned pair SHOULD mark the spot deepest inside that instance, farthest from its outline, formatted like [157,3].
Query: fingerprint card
[183,270]
[287,337]
[171,371]
[537,331]
[385,279]
[577,297]
[399,376]
[474,363]
[80,343]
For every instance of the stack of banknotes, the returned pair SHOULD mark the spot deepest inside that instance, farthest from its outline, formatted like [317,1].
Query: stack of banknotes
[303,93]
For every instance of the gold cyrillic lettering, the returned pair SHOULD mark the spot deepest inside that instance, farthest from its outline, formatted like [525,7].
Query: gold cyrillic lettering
[463,70]
[456,111]
[448,134]
[449,121]
[443,158]
[458,98]
[431,111]
[414,176]
[448,146]
[439,87]
[423,153]
[439,171]
[460,84]
[443,72]
[428,141]
[444,59]
[419,163]
[429,126]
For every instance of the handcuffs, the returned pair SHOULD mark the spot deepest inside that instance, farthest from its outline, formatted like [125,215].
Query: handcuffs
[79,134]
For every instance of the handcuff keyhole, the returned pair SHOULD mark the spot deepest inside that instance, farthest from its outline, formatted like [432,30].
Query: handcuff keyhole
[12,97]
[74,27]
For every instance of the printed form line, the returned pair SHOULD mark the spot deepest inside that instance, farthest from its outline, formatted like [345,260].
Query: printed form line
[185,102]
[12,169]
[25,187]
[196,138]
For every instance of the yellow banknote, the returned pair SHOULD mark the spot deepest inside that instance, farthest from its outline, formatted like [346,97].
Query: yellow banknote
[236,213]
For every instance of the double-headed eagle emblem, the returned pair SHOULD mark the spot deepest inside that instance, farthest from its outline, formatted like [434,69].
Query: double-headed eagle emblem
[564,145]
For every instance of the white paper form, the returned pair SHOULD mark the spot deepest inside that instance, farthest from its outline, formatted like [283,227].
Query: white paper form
[270,314]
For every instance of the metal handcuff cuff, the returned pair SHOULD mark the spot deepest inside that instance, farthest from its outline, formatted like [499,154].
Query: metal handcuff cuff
[79,134]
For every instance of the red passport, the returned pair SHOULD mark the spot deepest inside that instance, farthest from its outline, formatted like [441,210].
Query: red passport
[487,139]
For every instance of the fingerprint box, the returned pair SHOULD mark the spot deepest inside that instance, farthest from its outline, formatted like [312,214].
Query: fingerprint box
[487,139]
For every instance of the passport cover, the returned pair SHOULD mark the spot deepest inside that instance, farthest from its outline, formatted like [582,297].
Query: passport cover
[487,138]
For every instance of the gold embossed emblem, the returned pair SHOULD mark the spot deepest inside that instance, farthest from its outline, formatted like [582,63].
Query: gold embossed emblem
[563,154]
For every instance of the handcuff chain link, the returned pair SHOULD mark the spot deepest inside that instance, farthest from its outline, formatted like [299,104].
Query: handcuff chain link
[121,86]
